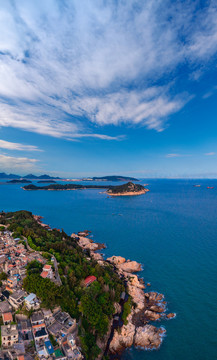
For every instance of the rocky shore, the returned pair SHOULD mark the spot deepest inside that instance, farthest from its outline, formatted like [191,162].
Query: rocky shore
[146,306]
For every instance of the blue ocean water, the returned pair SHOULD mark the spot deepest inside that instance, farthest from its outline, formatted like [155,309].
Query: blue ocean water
[172,231]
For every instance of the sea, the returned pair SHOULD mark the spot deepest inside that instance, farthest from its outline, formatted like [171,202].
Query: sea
[171,230]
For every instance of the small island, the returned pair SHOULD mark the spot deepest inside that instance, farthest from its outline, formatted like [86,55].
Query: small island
[128,189]
[46,182]
[19,181]
[114,178]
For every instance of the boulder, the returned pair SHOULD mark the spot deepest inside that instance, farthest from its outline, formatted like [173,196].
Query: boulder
[130,266]
[149,337]
[152,316]
[124,338]
[157,308]
[116,260]
[171,316]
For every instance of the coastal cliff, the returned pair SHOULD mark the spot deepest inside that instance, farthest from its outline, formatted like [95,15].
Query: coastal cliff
[144,307]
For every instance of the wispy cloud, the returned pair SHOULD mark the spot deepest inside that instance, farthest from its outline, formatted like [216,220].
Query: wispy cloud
[210,153]
[173,155]
[103,64]
[16,146]
[17,163]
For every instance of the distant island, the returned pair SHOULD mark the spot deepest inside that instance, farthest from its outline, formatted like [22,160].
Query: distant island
[111,178]
[19,181]
[121,190]
[46,182]
[29,176]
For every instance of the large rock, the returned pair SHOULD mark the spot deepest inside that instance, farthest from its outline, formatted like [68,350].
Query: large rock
[124,338]
[157,308]
[130,266]
[151,315]
[149,337]
[116,260]
[171,316]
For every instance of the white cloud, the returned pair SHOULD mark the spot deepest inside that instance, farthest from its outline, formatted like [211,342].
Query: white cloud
[17,163]
[210,153]
[60,61]
[173,155]
[16,146]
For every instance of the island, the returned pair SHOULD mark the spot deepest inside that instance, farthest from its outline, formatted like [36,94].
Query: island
[62,283]
[128,189]
[121,190]
[114,178]
[19,181]
[46,182]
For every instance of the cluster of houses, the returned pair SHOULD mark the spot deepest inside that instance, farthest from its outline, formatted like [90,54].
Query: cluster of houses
[27,330]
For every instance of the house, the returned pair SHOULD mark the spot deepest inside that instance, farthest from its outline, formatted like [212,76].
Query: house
[12,281]
[47,272]
[5,307]
[7,318]
[37,318]
[25,330]
[9,335]
[70,348]
[2,259]
[49,347]
[89,280]
[17,298]
[32,302]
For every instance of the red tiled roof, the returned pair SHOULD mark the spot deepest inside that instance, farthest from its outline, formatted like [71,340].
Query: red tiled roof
[20,357]
[44,274]
[89,280]
[7,316]
[47,267]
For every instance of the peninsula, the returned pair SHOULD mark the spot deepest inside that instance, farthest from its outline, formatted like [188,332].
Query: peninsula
[121,190]
[99,305]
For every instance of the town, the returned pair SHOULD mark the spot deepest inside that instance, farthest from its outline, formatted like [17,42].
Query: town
[29,331]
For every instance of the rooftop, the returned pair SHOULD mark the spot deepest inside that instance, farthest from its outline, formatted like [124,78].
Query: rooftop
[7,316]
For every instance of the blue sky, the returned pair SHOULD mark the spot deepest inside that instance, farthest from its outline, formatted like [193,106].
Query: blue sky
[108,87]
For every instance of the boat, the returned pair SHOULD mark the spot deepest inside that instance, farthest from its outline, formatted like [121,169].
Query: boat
[210,187]
[197,185]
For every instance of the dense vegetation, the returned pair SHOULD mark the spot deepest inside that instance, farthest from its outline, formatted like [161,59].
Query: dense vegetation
[92,305]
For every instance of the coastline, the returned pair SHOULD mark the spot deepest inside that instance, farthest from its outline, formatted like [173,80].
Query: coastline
[146,307]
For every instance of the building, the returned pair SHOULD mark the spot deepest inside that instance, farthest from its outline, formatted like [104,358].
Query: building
[25,330]
[17,298]
[32,302]
[89,280]
[5,307]
[7,318]
[49,347]
[9,335]
[47,272]
[12,282]
[37,318]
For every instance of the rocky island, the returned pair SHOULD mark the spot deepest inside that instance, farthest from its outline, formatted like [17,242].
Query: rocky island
[128,189]
[121,190]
